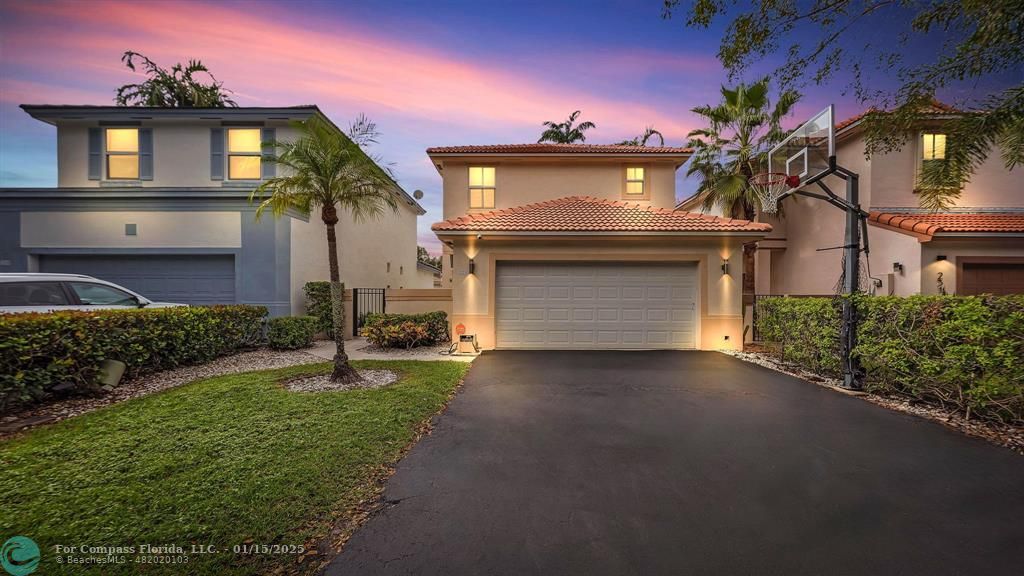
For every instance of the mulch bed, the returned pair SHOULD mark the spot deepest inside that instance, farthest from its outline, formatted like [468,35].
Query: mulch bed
[62,408]
[1006,435]
[323,382]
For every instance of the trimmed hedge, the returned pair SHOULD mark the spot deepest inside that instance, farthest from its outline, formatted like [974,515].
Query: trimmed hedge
[318,305]
[41,351]
[961,352]
[406,330]
[291,332]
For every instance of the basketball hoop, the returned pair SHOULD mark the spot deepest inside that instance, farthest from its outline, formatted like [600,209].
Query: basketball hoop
[770,186]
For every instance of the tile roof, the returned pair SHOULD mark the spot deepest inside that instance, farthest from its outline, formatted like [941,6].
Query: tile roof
[952,222]
[547,148]
[935,108]
[589,214]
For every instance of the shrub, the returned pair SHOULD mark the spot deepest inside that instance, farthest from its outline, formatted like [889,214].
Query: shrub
[406,330]
[292,332]
[41,351]
[318,305]
[961,352]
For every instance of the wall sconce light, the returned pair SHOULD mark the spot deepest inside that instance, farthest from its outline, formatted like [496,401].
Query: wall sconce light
[472,266]
[940,258]
[897,268]
[725,266]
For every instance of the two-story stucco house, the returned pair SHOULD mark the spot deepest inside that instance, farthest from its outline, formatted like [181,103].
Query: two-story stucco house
[156,199]
[976,247]
[578,246]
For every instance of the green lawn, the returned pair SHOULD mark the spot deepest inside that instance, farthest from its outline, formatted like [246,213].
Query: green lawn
[219,462]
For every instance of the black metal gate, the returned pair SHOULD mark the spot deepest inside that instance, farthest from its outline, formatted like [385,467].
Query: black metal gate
[366,301]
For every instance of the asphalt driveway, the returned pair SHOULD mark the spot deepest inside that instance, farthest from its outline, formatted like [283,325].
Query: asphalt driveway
[686,463]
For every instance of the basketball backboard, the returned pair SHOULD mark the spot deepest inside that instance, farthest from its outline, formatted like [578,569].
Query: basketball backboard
[808,152]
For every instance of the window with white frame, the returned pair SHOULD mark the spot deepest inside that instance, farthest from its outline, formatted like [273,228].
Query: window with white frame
[634,181]
[481,187]
[245,150]
[122,148]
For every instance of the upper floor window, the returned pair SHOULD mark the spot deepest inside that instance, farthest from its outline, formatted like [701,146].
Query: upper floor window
[122,153]
[481,187]
[244,153]
[933,147]
[634,181]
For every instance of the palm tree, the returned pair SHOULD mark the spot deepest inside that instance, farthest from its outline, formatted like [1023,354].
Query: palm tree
[731,149]
[175,88]
[327,171]
[642,139]
[565,132]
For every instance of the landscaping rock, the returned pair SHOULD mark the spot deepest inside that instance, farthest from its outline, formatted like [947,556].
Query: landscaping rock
[67,407]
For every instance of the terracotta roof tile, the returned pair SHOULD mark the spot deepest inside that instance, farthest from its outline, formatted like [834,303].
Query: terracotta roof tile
[589,214]
[548,148]
[935,108]
[952,222]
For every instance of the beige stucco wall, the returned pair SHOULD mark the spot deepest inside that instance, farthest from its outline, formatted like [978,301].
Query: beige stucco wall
[364,250]
[889,247]
[954,250]
[181,152]
[893,178]
[107,229]
[424,278]
[519,182]
[719,295]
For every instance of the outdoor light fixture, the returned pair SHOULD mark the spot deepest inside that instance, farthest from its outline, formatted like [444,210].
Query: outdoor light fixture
[472,266]
[725,266]
[897,268]
[940,258]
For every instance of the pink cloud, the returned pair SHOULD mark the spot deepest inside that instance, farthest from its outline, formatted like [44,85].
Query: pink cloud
[269,60]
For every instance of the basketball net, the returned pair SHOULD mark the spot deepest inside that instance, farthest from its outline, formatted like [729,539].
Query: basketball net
[770,186]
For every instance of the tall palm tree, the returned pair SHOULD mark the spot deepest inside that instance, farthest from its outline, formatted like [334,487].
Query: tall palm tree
[325,170]
[642,139]
[732,148]
[566,132]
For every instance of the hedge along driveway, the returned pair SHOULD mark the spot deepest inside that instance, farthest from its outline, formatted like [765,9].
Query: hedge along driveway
[218,462]
[962,352]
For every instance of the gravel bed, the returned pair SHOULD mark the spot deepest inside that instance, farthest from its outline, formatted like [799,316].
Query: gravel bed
[263,359]
[323,383]
[1006,435]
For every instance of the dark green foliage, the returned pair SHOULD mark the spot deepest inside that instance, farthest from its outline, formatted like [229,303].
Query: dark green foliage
[961,352]
[804,331]
[568,132]
[423,256]
[406,330]
[291,332]
[318,305]
[968,43]
[174,88]
[40,351]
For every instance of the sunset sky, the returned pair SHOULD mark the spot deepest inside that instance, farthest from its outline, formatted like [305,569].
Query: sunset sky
[429,73]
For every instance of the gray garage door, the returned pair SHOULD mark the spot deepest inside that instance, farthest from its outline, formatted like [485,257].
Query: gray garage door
[186,279]
[596,305]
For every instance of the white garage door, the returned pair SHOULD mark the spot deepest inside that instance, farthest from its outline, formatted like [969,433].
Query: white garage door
[596,305]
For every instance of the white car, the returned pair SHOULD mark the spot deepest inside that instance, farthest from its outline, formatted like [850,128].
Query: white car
[52,292]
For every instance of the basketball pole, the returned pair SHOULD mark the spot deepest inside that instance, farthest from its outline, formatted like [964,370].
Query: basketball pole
[853,372]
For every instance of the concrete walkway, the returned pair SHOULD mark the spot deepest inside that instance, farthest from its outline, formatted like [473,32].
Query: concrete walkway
[356,350]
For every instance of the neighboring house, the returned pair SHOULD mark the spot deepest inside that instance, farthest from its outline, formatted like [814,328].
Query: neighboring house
[156,199]
[578,246]
[976,247]
[427,275]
